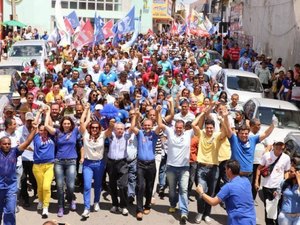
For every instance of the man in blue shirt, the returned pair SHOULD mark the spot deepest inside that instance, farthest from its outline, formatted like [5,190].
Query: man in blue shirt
[146,169]
[8,177]
[243,146]
[236,194]
[107,76]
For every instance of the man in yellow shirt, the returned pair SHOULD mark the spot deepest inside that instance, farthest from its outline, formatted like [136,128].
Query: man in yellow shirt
[207,158]
[50,97]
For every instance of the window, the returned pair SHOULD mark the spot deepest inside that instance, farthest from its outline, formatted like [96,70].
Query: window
[109,7]
[64,4]
[82,5]
[73,5]
[100,6]
[91,6]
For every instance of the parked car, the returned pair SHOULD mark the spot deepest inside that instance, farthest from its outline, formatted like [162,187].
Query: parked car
[245,84]
[287,114]
[24,51]
[292,144]
[13,65]
[213,56]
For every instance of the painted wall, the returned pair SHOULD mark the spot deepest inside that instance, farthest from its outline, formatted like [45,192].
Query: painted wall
[274,25]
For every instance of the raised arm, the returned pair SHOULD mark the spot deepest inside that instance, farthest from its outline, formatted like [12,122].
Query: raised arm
[27,142]
[85,118]
[109,130]
[133,128]
[267,132]
[48,123]
[226,124]
[170,117]
[196,122]
[159,119]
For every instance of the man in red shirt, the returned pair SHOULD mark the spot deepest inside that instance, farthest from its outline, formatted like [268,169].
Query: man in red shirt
[234,54]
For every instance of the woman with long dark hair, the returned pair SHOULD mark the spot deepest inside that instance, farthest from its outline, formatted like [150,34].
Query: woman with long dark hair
[65,159]
[290,188]
[92,158]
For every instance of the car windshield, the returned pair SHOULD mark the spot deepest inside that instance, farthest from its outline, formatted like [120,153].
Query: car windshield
[26,50]
[286,118]
[242,83]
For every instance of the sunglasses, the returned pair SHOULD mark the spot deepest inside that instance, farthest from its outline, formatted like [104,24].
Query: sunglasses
[93,127]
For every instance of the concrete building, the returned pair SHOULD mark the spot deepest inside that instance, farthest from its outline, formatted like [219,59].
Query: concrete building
[275,27]
[40,13]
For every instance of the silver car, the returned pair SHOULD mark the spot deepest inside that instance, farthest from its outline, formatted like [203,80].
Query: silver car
[287,114]
[245,84]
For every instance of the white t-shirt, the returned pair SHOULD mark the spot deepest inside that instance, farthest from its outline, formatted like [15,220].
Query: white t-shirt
[277,175]
[93,150]
[214,117]
[178,147]
[119,87]
[188,117]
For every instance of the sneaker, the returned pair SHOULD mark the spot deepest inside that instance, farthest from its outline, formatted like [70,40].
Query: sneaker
[139,216]
[73,205]
[124,211]
[172,209]
[114,209]
[198,218]
[146,211]
[161,193]
[153,201]
[183,219]
[207,219]
[86,213]
[60,212]
[96,207]
[39,206]
[45,213]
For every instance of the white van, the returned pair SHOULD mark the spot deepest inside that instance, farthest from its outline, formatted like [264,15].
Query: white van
[245,84]
[27,50]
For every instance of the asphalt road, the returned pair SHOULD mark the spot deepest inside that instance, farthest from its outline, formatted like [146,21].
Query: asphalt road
[159,214]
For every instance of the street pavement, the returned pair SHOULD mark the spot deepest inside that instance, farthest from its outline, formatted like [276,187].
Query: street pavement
[159,214]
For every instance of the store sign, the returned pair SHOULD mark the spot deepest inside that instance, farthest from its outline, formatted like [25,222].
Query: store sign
[161,8]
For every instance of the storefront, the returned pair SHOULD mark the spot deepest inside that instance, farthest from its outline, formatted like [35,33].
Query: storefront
[162,14]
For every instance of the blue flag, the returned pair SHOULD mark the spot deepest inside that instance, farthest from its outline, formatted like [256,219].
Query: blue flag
[126,24]
[98,32]
[73,19]
[182,29]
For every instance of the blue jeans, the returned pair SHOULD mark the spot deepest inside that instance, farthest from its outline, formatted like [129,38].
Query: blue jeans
[162,172]
[207,177]
[132,178]
[285,219]
[8,201]
[178,176]
[65,170]
[92,169]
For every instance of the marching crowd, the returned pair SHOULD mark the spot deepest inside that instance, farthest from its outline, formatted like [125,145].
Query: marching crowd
[150,116]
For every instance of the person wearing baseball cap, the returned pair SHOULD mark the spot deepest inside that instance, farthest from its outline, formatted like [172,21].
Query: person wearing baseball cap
[9,112]
[278,164]
[27,159]
[16,101]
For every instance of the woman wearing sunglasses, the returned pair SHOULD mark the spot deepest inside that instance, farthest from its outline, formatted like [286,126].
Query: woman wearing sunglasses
[92,157]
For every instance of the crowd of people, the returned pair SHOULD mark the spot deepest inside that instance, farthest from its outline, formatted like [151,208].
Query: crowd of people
[150,116]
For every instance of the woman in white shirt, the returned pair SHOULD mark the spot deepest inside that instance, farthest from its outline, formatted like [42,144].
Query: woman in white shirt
[92,157]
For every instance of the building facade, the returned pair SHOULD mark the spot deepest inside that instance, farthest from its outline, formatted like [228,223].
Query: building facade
[40,14]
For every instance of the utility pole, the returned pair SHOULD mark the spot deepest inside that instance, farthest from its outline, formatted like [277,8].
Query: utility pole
[13,10]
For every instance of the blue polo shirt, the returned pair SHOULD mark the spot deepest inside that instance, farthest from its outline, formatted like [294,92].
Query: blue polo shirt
[66,144]
[237,196]
[8,164]
[105,78]
[146,145]
[243,152]
[44,150]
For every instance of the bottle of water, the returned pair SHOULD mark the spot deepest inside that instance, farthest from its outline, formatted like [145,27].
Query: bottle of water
[275,120]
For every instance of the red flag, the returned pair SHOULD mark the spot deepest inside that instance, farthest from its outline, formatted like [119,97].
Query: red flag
[150,32]
[86,35]
[174,28]
[107,29]
[68,25]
